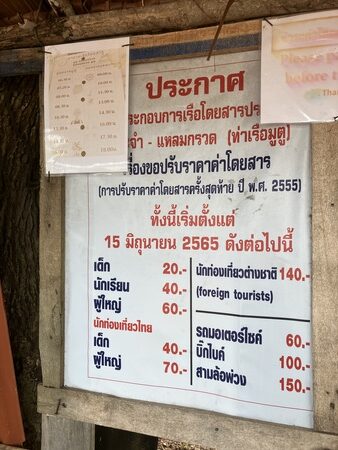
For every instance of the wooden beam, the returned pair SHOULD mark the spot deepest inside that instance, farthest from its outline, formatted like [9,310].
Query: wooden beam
[201,427]
[176,15]
[324,269]
[62,7]
[25,61]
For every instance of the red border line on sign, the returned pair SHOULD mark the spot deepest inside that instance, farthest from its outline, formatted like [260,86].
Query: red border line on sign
[201,392]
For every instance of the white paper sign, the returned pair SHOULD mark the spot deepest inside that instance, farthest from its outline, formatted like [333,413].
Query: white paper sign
[188,280]
[86,107]
[299,76]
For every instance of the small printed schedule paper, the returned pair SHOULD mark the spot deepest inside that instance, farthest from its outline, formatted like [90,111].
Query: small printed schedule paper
[86,107]
[188,279]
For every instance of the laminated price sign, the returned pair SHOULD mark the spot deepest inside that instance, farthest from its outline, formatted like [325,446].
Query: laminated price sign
[188,279]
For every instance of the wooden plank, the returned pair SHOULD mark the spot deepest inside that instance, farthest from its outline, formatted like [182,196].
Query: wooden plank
[51,281]
[202,34]
[171,16]
[201,427]
[51,272]
[325,275]
[233,38]
[21,62]
[64,434]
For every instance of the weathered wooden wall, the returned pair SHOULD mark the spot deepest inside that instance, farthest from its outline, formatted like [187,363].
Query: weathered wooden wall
[211,429]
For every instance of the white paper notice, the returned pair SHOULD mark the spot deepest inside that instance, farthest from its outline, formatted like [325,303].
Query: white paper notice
[86,107]
[299,76]
[188,279]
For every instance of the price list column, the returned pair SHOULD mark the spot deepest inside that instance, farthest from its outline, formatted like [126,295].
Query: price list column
[247,354]
[177,313]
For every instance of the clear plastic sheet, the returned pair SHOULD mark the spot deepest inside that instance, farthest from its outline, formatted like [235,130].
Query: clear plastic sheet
[299,76]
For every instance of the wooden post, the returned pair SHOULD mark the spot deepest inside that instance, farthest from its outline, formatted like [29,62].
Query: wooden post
[325,273]
[63,434]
